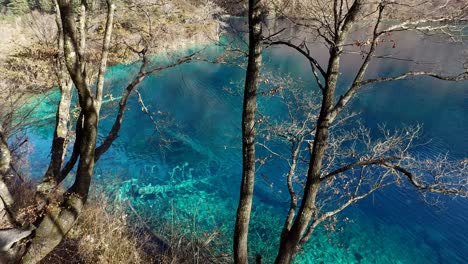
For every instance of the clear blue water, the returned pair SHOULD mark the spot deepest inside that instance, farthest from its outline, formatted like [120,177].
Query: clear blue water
[197,175]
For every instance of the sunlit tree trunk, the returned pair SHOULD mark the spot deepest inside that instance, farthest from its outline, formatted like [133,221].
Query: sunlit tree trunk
[5,156]
[248,134]
[6,199]
[60,139]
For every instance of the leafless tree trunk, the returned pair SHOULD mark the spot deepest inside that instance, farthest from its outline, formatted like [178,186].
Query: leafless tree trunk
[248,133]
[5,157]
[5,197]
[60,139]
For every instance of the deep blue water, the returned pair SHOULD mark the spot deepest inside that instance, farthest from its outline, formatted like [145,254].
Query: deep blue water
[200,110]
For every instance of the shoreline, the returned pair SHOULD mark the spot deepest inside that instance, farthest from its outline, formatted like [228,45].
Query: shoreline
[17,41]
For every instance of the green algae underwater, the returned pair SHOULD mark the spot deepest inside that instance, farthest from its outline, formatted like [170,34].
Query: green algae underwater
[187,171]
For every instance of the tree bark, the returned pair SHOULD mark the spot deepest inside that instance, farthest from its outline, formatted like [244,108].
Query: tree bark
[6,199]
[248,134]
[10,232]
[291,240]
[60,140]
[5,156]
[54,226]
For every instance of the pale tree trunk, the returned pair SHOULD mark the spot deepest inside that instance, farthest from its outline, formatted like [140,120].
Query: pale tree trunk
[248,134]
[104,56]
[53,227]
[10,232]
[60,140]
[6,199]
[5,156]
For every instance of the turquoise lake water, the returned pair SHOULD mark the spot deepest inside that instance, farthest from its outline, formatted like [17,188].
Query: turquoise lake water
[197,174]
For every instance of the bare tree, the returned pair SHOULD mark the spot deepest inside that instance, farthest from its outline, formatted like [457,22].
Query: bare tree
[346,176]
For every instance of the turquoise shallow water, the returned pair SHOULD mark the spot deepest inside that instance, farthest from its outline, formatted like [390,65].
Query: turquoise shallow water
[197,175]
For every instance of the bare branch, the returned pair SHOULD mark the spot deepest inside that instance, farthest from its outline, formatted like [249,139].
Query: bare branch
[104,54]
[142,74]
[458,188]
[380,161]
[459,77]
[332,213]
[300,50]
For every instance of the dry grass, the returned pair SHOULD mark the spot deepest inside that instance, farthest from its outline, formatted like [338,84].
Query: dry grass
[192,247]
[113,232]
[102,235]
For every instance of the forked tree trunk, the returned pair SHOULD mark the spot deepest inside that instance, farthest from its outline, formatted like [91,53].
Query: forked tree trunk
[248,134]
[59,219]
[87,150]
[290,241]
